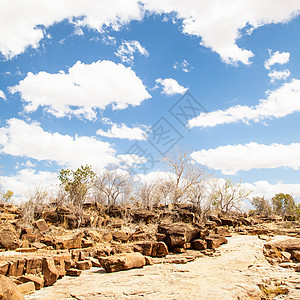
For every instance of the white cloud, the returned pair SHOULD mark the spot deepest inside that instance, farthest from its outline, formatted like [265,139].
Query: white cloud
[170,86]
[123,132]
[78,31]
[26,180]
[277,58]
[279,103]
[22,22]
[232,158]
[264,188]
[131,160]
[184,66]
[127,50]
[83,89]
[219,22]
[21,139]
[279,75]
[2,95]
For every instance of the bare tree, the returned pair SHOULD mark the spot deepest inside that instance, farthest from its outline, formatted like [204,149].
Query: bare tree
[227,196]
[148,194]
[115,184]
[186,173]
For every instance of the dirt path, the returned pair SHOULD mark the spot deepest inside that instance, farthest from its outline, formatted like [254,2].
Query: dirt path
[232,275]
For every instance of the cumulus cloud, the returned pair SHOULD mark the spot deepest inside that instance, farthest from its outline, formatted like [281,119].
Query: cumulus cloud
[83,89]
[232,158]
[122,131]
[170,86]
[127,50]
[131,160]
[29,140]
[279,103]
[26,180]
[279,75]
[277,57]
[220,22]
[23,23]
[2,95]
[184,66]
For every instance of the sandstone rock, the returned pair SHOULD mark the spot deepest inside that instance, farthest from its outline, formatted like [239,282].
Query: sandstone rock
[86,243]
[124,261]
[84,265]
[69,243]
[107,237]
[148,260]
[39,245]
[8,290]
[33,265]
[228,221]
[50,216]
[4,265]
[69,264]
[49,271]
[152,248]
[285,256]
[30,237]
[120,236]
[199,244]
[95,262]
[288,245]
[41,225]
[38,281]
[143,215]
[9,238]
[215,219]
[59,261]
[73,272]
[214,241]
[296,255]
[26,288]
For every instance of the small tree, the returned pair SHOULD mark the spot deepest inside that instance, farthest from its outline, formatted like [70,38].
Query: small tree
[283,204]
[6,197]
[77,183]
[148,194]
[227,196]
[262,205]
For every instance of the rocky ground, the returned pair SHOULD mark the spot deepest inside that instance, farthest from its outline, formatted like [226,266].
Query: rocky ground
[168,253]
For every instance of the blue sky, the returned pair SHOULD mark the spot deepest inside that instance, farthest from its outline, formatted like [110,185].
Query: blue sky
[85,81]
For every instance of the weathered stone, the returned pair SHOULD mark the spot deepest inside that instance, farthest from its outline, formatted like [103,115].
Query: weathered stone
[41,225]
[124,261]
[38,281]
[30,237]
[4,265]
[288,245]
[84,265]
[47,240]
[59,261]
[285,256]
[50,216]
[215,219]
[162,250]
[9,238]
[120,236]
[214,241]
[69,264]
[143,215]
[26,288]
[39,245]
[49,271]
[34,265]
[13,267]
[228,221]
[73,272]
[199,244]
[8,290]
[296,255]
[95,262]
[69,243]
[86,243]
[26,250]
[107,237]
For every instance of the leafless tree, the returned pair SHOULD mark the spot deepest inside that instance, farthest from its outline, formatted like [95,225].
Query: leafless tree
[148,194]
[115,184]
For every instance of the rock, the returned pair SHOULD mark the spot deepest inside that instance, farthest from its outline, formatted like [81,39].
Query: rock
[296,255]
[107,237]
[285,256]
[41,225]
[69,264]
[95,262]
[49,271]
[39,245]
[143,215]
[124,261]
[178,234]
[148,260]
[215,219]
[214,241]
[120,236]
[69,243]
[9,238]
[199,244]
[38,281]
[4,265]
[8,290]
[73,272]
[152,248]
[288,245]
[16,267]
[30,237]
[86,243]
[50,216]
[26,288]
[59,261]
[34,265]
[222,231]
[228,221]
[84,265]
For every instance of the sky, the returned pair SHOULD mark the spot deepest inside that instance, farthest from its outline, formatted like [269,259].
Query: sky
[125,82]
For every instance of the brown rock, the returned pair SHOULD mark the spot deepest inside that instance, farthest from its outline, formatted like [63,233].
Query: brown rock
[8,290]
[124,261]
[30,237]
[199,244]
[73,272]
[86,243]
[26,288]
[214,241]
[4,265]
[148,260]
[162,249]
[291,244]
[296,255]
[84,265]
[38,281]
[33,265]
[59,261]
[145,216]
[41,225]
[107,237]
[69,264]
[9,238]
[228,221]
[120,236]
[69,243]
[13,267]
[39,245]
[49,271]
[95,262]
[285,256]
[50,216]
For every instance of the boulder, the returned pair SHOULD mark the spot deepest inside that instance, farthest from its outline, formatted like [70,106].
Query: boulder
[8,290]
[59,261]
[120,236]
[4,265]
[84,265]
[9,238]
[215,219]
[50,272]
[38,281]
[199,244]
[228,221]
[124,261]
[26,288]
[41,225]
[33,265]
[69,243]
[73,272]
[214,241]
[152,248]
[291,244]
[39,245]
[296,255]
[143,215]
[50,216]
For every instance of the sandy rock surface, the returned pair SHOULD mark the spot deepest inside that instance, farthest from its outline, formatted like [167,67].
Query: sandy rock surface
[235,273]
